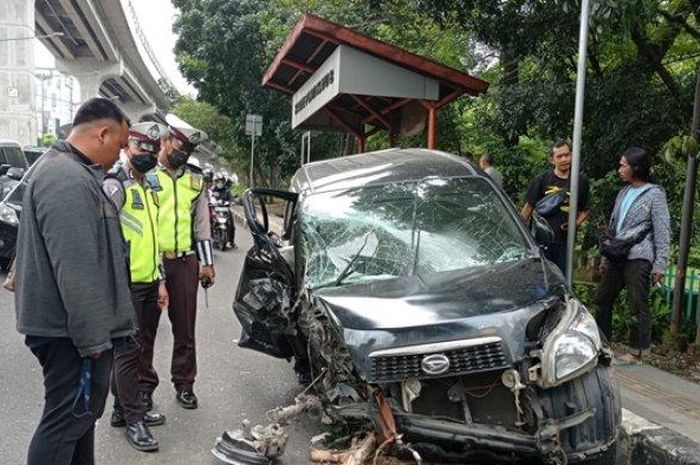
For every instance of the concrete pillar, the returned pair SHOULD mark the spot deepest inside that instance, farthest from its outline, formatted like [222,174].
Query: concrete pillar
[17,112]
[135,110]
[90,74]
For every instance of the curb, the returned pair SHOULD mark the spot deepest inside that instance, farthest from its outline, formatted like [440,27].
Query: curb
[645,443]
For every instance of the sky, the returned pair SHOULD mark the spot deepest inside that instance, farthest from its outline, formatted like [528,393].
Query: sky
[156,18]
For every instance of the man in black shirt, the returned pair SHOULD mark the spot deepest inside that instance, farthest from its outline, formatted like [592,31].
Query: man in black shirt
[549,183]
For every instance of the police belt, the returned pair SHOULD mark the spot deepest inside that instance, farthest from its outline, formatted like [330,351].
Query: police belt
[176,255]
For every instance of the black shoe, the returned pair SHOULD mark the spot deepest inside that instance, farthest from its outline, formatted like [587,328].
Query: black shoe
[140,438]
[146,399]
[149,418]
[187,398]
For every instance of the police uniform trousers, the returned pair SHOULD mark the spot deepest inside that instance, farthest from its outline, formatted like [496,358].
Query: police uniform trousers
[182,280]
[128,356]
[66,431]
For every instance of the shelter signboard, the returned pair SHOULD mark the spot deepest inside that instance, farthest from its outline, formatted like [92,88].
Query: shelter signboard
[353,72]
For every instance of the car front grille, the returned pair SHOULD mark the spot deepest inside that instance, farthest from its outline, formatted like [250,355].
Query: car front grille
[392,365]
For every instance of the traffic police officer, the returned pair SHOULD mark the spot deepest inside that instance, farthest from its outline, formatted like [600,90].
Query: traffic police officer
[184,236]
[137,204]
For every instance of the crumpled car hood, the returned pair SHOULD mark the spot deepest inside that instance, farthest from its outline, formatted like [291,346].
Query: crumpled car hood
[440,298]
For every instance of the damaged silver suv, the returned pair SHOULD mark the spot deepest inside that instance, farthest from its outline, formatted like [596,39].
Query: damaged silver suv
[416,304]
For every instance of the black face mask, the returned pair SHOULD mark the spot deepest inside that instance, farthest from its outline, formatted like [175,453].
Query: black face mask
[144,162]
[178,158]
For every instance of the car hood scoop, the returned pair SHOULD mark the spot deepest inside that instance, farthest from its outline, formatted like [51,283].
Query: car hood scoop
[439,298]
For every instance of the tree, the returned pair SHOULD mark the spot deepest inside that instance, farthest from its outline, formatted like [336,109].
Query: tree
[225,46]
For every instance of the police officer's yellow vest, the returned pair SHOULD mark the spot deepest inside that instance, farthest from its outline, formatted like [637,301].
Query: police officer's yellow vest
[176,199]
[140,228]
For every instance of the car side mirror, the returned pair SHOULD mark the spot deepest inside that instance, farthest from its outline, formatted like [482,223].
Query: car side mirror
[4,169]
[15,173]
[541,230]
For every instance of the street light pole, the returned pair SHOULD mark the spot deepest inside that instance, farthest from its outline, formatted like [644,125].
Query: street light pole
[578,126]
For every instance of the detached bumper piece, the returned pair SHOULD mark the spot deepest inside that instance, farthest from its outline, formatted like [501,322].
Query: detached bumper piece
[237,451]
[259,447]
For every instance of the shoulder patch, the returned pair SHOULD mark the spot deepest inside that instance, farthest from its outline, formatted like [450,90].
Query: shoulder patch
[196,182]
[118,173]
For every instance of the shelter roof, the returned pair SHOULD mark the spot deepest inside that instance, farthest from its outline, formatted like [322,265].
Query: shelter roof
[314,39]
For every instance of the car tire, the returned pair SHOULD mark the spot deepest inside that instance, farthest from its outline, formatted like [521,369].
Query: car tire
[597,389]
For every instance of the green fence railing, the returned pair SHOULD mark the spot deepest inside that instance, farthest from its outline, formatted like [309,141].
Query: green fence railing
[692,291]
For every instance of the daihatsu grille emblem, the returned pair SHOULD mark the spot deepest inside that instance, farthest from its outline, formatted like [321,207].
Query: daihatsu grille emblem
[435,364]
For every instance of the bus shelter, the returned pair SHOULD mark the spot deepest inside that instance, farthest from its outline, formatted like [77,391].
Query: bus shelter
[341,80]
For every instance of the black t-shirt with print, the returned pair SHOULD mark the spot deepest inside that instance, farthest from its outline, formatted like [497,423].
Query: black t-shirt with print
[549,182]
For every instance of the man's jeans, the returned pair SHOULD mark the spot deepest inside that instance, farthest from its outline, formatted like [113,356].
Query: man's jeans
[635,276]
[66,432]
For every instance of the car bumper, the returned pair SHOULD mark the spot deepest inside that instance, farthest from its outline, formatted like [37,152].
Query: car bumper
[453,440]
[579,420]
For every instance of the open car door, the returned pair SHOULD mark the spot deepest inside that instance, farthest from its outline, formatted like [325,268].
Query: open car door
[267,289]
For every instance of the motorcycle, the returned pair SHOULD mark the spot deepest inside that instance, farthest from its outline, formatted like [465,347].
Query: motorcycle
[223,229]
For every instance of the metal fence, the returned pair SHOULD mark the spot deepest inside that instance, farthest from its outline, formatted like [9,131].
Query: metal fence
[692,291]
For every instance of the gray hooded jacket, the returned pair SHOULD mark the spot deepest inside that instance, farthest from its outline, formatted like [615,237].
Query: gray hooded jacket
[72,277]
[649,211]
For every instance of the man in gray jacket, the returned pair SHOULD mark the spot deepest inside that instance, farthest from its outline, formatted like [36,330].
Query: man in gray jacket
[72,282]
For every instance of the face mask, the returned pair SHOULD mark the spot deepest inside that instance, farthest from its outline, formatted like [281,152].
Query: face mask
[178,158]
[144,162]
[219,185]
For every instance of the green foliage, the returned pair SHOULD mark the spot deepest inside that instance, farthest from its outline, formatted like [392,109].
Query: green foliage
[46,140]
[640,77]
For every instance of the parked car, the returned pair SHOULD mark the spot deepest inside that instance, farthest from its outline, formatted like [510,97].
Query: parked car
[10,208]
[13,163]
[405,285]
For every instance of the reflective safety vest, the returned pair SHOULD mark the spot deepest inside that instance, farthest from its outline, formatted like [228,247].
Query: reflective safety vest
[140,228]
[176,199]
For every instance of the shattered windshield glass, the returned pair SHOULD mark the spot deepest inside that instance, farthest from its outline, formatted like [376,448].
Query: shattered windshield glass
[401,229]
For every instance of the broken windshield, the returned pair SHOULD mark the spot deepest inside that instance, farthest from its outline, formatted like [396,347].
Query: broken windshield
[400,229]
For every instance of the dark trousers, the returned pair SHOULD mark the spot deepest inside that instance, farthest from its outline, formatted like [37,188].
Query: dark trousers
[128,356]
[64,436]
[182,279]
[635,276]
[556,253]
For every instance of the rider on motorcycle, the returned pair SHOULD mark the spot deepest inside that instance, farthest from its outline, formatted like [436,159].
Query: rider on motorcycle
[221,196]
[221,188]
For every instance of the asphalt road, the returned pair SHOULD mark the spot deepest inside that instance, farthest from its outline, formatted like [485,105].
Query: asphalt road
[232,384]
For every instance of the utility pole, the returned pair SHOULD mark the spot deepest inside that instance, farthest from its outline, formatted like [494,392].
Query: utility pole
[687,219]
[578,126]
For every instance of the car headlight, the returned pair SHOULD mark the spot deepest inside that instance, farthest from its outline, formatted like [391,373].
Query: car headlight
[572,347]
[8,214]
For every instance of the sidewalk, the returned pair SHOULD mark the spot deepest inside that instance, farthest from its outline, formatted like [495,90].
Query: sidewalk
[661,397]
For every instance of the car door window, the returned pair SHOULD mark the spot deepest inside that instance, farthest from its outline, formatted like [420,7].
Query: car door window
[15,157]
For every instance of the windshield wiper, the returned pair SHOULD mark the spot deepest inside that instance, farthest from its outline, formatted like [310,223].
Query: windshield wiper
[347,271]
